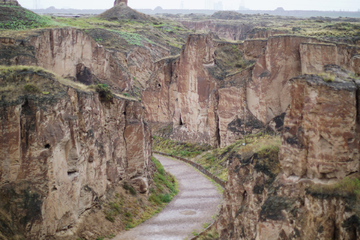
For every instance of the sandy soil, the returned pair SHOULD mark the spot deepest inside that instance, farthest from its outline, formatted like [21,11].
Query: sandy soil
[196,203]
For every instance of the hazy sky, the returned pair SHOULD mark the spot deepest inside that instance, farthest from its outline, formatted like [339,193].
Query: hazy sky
[346,5]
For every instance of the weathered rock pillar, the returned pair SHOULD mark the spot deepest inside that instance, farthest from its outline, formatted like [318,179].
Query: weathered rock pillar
[118,2]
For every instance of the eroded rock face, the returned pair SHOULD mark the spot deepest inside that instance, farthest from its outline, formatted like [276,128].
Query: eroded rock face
[223,30]
[298,193]
[209,107]
[260,202]
[61,50]
[321,138]
[61,153]
[69,52]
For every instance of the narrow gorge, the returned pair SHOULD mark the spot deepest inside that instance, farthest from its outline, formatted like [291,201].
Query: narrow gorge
[271,107]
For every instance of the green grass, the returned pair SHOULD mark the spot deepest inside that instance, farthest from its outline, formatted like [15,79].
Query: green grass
[133,38]
[180,149]
[216,160]
[18,18]
[349,186]
[133,208]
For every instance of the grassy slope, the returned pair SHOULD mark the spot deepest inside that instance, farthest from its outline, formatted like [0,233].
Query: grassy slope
[216,160]
[18,18]
[125,208]
[133,209]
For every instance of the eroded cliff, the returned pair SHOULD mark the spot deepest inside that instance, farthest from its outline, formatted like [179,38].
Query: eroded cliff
[62,150]
[205,91]
[309,190]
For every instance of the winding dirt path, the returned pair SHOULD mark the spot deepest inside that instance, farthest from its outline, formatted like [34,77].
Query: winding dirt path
[195,204]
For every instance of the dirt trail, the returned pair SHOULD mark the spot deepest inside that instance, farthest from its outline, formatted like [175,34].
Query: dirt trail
[195,204]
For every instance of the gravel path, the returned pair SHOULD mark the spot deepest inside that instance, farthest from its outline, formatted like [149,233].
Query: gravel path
[195,204]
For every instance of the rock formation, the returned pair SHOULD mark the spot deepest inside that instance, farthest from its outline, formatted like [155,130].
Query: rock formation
[204,104]
[118,2]
[62,150]
[68,51]
[301,193]
[121,11]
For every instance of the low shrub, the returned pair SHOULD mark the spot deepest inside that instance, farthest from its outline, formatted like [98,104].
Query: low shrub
[32,88]
[105,92]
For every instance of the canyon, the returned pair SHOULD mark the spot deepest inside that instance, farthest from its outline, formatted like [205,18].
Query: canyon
[67,144]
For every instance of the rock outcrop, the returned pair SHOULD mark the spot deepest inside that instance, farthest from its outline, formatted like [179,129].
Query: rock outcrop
[62,150]
[121,11]
[118,2]
[69,52]
[302,193]
[61,50]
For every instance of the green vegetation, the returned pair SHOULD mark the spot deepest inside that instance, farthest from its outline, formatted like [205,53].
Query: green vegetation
[133,38]
[18,18]
[32,88]
[104,92]
[327,77]
[186,150]
[132,209]
[126,186]
[195,233]
[349,186]
[216,160]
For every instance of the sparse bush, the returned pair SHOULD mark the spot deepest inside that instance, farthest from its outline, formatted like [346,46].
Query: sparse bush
[104,92]
[32,88]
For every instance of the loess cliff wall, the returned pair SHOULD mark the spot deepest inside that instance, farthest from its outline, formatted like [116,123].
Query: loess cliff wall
[205,103]
[61,153]
[70,53]
[307,190]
